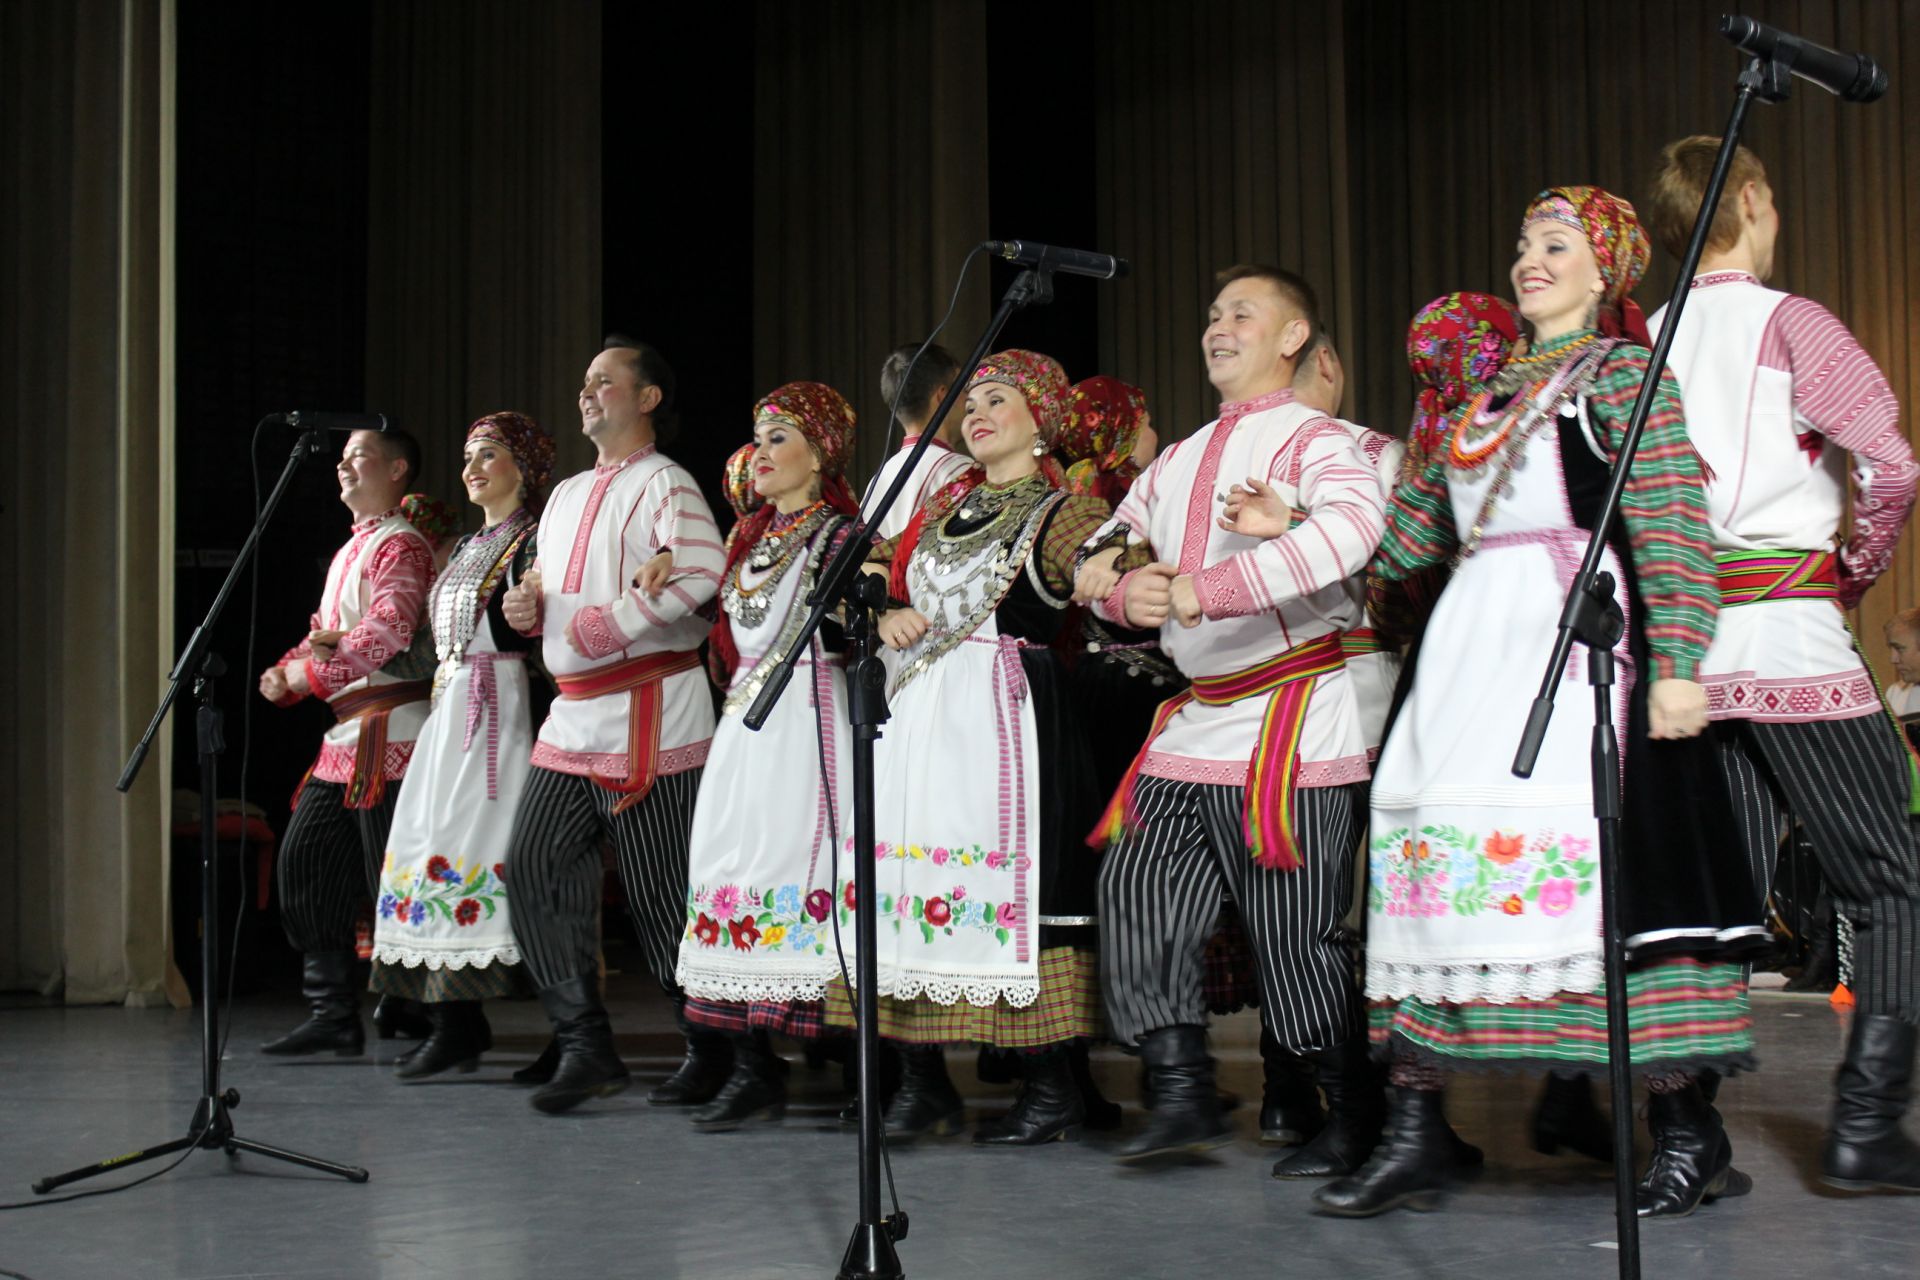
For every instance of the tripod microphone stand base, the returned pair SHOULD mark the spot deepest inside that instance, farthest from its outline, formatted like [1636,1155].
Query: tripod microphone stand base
[211,1130]
[870,1254]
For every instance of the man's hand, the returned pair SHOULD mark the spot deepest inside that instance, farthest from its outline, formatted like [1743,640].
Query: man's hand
[1097,577]
[900,627]
[273,684]
[652,576]
[323,643]
[1150,596]
[521,605]
[296,674]
[1676,709]
[1255,510]
[1186,602]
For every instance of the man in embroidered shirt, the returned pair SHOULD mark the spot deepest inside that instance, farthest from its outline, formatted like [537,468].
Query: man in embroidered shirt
[1790,413]
[1255,786]
[620,754]
[919,395]
[354,658]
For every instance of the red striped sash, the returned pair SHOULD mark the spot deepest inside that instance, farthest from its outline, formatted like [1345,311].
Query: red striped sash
[1267,818]
[371,706]
[1748,577]
[642,677]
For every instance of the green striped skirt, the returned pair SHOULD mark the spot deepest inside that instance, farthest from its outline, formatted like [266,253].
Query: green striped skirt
[1067,1008]
[1682,1015]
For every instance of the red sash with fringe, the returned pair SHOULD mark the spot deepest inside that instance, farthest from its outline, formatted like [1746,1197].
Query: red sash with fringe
[370,706]
[641,676]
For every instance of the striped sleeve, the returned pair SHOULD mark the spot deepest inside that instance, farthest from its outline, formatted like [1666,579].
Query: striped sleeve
[671,515]
[1839,392]
[1339,489]
[1665,510]
[1420,531]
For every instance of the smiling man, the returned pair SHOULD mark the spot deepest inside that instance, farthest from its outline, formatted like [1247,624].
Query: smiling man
[620,755]
[369,610]
[1256,785]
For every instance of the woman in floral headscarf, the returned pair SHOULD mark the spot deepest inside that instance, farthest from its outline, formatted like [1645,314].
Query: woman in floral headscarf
[985,788]
[441,931]
[758,950]
[1484,930]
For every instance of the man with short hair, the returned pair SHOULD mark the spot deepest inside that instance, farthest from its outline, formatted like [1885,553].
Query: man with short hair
[620,754]
[918,394]
[1793,417]
[369,612]
[1255,785]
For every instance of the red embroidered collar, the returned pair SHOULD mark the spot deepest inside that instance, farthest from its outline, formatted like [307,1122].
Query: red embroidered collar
[1232,413]
[1712,278]
[601,468]
[368,522]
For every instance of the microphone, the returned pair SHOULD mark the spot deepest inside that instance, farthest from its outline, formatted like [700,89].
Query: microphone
[1079,262]
[1853,77]
[348,422]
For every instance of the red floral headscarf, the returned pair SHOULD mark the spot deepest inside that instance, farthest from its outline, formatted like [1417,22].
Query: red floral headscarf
[1619,243]
[527,441]
[1040,381]
[822,415]
[741,495]
[1098,440]
[1455,345]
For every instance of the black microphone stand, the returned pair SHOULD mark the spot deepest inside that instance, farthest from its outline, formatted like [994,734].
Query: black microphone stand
[870,1254]
[211,1127]
[1593,617]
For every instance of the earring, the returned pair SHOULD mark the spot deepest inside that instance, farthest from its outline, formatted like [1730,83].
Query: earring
[1039,447]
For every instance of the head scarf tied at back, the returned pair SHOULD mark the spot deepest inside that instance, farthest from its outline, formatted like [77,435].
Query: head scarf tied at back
[528,442]
[1610,225]
[1040,381]
[1098,440]
[1455,345]
[825,420]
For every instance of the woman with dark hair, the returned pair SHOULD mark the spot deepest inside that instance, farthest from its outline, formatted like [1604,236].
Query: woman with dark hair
[757,951]
[442,934]
[1484,929]
[984,780]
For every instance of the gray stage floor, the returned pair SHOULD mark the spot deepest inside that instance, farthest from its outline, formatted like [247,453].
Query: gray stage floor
[470,1184]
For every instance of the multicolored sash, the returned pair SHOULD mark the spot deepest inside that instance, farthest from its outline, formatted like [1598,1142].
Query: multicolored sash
[642,677]
[370,706]
[1749,577]
[1267,818]
[1361,641]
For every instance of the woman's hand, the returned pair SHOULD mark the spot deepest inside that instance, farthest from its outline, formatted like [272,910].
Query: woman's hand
[521,604]
[1676,709]
[321,644]
[652,576]
[1097,577]
[1255,510]
[901,627]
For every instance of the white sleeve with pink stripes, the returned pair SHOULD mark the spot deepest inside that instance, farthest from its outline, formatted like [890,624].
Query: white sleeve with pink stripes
[1839,392]
[1339,488]
[672,516]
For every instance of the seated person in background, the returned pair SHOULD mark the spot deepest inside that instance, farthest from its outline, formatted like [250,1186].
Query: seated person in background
[1903,695]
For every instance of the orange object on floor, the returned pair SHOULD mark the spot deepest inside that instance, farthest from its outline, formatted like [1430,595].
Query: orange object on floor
[1842,998]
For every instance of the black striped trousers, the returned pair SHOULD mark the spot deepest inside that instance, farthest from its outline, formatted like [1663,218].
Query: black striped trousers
[1160,891]
[553,871]
[1846,780]
[330,863]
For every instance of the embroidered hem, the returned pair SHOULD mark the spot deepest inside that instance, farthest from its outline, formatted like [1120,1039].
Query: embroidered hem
[785,988]
[1233,773]
[1794,700]
[391,953]
[947,988]
[335,764]
[1440,982]
[613,764]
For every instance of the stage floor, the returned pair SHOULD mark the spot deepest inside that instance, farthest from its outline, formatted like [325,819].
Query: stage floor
[470,1184]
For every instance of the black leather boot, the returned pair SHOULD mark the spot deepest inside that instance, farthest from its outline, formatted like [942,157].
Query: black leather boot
[1290,1111]
[1567,1117]
[460,1035]
[1049,1106]
[589,1067]
[399,1016]
[705,1067]
[541,1069]
[1185,1120]
[926,1101]
[755,1092]
[1692,1161]
[1356,1107]
[1102,1112]
[1408,1168]
[1866,1151]
[333,1004]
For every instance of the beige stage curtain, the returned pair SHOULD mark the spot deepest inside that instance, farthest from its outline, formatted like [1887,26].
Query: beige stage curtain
[870,156]
[1447,146]
[483,237]
[1220,133]
[87,136]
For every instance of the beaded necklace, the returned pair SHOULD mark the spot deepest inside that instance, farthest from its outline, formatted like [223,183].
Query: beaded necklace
[467,584]
[1535,386]
[772,556]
